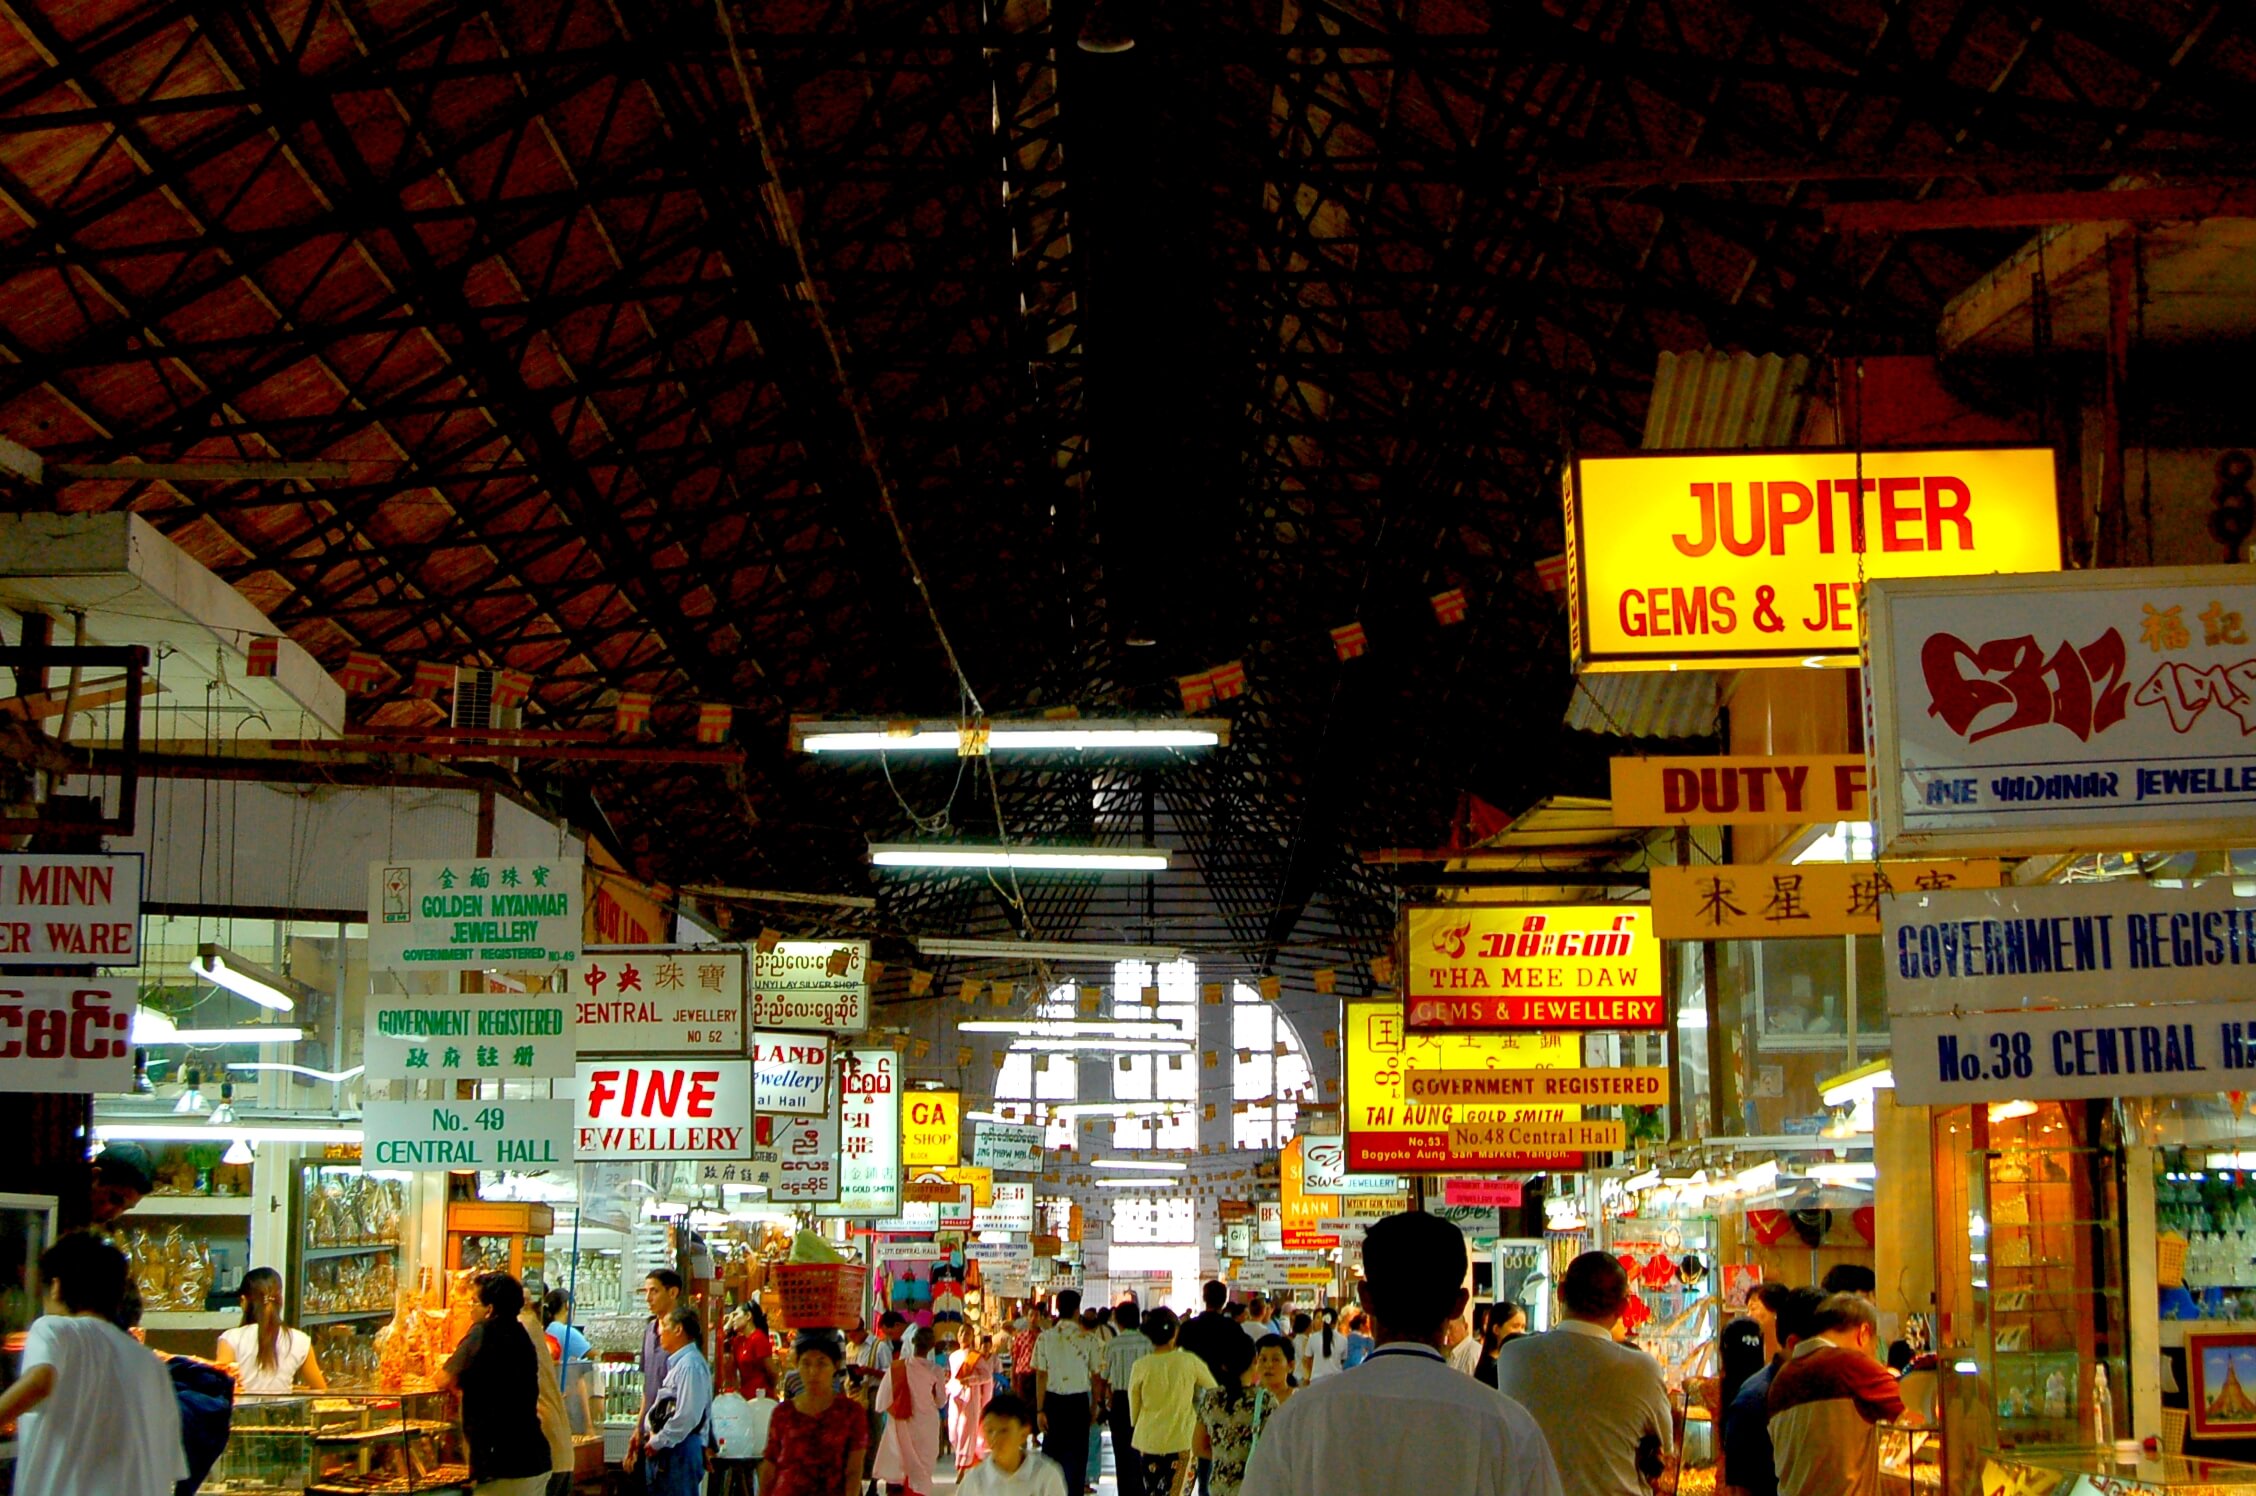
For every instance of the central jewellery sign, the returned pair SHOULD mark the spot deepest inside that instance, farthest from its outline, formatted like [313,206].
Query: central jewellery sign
[660,1000]
[1719,560]
[1533,966]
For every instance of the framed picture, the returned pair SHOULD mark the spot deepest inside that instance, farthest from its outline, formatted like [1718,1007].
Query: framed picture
[1740,1280]
[2221,1384]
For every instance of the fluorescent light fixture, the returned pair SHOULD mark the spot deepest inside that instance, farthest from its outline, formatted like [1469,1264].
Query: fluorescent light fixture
[1644,1181]
[1844,1173]
[2006,1111]
[1762,1176]
[223,968]
[334,1077]
[1691,1018]
[2232,1161]
[239,1152]
[1029,859]
[169,1132]
[1151,1166]
[1123,1109]
[1048,950]
[1154,1186]
[1051,735]
[1102,1046]
[1851,1087]
[153,1027]
[1070,1028]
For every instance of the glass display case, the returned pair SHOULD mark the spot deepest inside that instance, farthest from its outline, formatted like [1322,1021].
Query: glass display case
[2097,1472]
[1911,1461]
[344,1285]
[342,1445]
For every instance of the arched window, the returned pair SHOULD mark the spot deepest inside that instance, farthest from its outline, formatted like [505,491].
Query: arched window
[1156,1077]
[1269,1072]
[1030,1083]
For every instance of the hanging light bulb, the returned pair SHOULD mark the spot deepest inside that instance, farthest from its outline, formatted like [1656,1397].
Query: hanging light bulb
[223,1115]
[239,1152]
[191,1093]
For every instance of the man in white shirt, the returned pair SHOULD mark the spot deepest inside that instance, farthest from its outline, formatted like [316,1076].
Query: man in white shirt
[99,1416]
[1403,1421]
[1068,1362]
[1603,1407]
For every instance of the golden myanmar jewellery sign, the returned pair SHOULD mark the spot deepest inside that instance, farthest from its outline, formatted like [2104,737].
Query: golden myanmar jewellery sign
[1780,901]
[1718,560]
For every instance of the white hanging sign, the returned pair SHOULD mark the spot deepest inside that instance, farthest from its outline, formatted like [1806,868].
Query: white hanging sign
[1012,1209]
[811,986]
[665,1109]
[66,1035]
[464,913]
[2162,1049]
[792,1073]
[1006,1149]
[869,1135]
[476,1134]
[660,1000]
[70,908]
[467,1036]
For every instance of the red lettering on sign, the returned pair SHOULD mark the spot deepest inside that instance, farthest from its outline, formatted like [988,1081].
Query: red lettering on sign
[2080,689]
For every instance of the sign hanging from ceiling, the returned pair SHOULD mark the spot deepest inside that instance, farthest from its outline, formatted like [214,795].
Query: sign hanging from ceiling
[1387,1132]
[464,912]
[1011,1209]
[2056,1054]
[527,1136]
[467,1036]
[869,1135]
[2072,945]
[819,986]
[661,1109]
[659,1000]
[2096,710]
[795,1159]
[1533,966]
[929,1137]
[1727,559]
[1304,1213]
[70,909]
[791,1074]
[1007,1149]
[1780,901]
[67,1035]
[1324,1171]
[1744,791]
[1639,1086]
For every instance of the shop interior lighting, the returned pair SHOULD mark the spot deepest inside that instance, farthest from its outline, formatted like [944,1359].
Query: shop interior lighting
[223,1115]
[153,1027]
[1122,1109]
[253,1132]
[1839,1173]
[221,967]
[239,1152]
[334,1077]
[1102,1046]
[1691,1019]
[1060,736]
[1147,1166]
[1028,859]
[2007,1111]
[1071,1028]
[1048,950]
[1762,1176]
[2232,1161]
[1150,1186]
[1644,1181]
[191,1102]
[1853,1086]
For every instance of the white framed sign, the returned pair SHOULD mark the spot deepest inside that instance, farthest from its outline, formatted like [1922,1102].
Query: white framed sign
[1005,1148]
[1011,1208]
[2066,945]
[2081,711]
[63,1035]
[475,1134]
[2164,1049]
[67,908]
[1324,1172]
[869,1135]
[459,913]
[811,986]
[664,1109]
[685,1000]
[467,1036]
[796,1158]
[792,1074]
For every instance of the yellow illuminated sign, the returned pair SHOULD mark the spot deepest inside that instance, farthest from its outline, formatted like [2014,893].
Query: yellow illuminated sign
[1778,901]
[1533,966]
[1502,1141]
[1717,560]
[1388,1133]
[930,1129]
[1744,791]
[1633,1086]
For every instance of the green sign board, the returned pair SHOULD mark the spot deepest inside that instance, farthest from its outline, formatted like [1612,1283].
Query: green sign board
[481,1036]
[467,1134]
[474,913]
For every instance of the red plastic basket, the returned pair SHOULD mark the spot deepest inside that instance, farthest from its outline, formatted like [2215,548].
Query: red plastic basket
[819,1295]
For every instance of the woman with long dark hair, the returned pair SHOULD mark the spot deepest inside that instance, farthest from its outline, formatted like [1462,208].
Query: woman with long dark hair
[498,1369]
[266,1356]
[1323,1352]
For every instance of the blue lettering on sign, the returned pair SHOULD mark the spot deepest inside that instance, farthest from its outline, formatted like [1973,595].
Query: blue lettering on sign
[2223,779]
[1974,948]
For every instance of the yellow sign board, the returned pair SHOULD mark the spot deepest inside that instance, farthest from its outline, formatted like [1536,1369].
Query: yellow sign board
[1533,966]
[1719,560]
[1303,1212]
[931,1129]
[1307,1276]
[1499,1141]
[1637,1086]
[1777,901]
[1387,1133]
[1745,791]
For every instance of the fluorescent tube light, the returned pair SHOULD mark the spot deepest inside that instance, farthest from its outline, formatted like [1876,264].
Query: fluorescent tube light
[1762,1176]
[152,1027]
[1644,1181]
[1151,1186]
[1071,1028]
[1844,1173]
[1064,735]
[2006,1111]
[1102,1046]
[1153,1166]
[223,968]
[1019,859]
[1123,1109]
[1049,950]
[1853,1086]
[334,1077]
[199,1132]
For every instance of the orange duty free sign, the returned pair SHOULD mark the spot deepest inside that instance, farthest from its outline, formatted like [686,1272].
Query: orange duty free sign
[1714,560]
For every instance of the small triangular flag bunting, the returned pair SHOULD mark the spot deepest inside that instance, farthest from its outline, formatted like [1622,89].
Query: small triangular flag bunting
[1449,606]
[1348,641]
[264,657]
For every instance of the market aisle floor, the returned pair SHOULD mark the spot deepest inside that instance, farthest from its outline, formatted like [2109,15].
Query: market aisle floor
[944,1474]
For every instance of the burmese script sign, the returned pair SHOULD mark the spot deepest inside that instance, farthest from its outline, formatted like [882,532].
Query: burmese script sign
[66,1035]
[660,1000]
[523,1135]
[467,1036]
[469,911]
[1533,966]
[70,909]
[869,1134]
[819,986]
[2089,711]
[1718,560]
[1389,1133]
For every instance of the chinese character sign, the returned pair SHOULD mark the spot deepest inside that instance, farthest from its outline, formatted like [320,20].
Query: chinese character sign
[868,1083]
[2090,711]
[819,986]
[1755,901]
[685,1000]
[473,912]
[481,1036]
[929,1129]
[1389,1133]
[1533,966]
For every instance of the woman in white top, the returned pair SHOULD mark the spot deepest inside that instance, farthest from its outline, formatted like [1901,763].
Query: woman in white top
[267,1356]
[1323,1349]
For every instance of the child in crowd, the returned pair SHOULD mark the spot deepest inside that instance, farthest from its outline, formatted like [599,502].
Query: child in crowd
[1012,1467]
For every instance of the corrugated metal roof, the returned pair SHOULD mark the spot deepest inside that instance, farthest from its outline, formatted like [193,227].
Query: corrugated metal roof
[1702,399]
